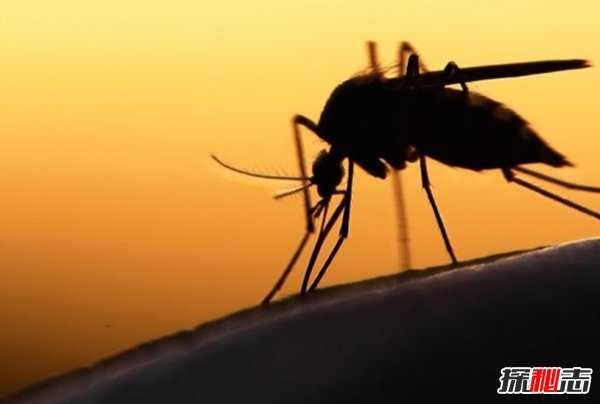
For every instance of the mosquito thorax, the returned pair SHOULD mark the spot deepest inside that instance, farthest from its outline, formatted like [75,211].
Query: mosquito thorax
[328,172]
[352,104]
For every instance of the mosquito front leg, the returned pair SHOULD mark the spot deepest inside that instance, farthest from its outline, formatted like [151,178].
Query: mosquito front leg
[314,211]
[287,269]
[427,185]
[297,121]
[324,231]
[344,228]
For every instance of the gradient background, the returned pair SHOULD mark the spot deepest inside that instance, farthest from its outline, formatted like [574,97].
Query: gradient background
[116,227]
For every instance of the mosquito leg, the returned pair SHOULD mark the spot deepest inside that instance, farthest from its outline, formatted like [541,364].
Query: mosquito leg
[404,249]
[510,177]
[313,256]
[412,68]
[307,123]
[287,269]
[453,71]
[297,121]
[427,185]
[317,248]
[412,73]
[404,52]
[344,228]
[334,251]
[403,236]
[314,211]
[373,60]
[556,181]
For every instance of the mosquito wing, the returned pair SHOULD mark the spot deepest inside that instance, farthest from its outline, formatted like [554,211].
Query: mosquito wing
[490,72]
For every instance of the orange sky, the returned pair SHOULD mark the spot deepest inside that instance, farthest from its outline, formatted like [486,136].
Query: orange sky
[116,227]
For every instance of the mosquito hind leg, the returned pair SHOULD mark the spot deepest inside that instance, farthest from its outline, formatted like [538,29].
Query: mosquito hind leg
[427,186]
[556,181]
[510,177]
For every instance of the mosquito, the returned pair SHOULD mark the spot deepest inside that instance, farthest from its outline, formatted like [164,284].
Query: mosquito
[381,124]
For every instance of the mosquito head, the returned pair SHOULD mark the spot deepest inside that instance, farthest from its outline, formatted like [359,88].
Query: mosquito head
[327,173]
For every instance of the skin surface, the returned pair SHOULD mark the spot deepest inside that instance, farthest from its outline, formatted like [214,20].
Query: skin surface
[406,338]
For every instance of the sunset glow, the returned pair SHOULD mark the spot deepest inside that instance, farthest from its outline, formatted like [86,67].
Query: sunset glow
[117,227]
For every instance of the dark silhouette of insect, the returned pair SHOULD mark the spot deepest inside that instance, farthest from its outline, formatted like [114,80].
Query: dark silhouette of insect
[382,123]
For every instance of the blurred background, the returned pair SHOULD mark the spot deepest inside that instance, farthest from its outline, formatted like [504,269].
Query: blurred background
[117,228]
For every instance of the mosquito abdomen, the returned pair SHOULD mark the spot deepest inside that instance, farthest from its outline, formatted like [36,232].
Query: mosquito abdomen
[472,131]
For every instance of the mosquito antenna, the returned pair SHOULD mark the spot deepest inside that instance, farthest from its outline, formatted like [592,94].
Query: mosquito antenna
[258,175]
[565,184]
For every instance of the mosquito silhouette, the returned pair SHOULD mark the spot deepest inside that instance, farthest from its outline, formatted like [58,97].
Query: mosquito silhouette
[382,123]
